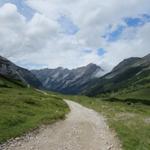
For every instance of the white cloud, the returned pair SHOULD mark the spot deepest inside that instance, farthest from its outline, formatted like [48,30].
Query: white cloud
[41,41]
[11,26]
[18,37]
[124,48]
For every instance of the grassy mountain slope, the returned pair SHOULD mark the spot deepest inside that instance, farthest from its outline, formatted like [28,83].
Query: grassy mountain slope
[131,74]
[24,109]
[10,83]
[137,90]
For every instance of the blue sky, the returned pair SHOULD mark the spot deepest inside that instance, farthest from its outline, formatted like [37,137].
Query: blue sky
[132,22]
[101,51]
[68,26]
[73,33]
[138,21]
[22,7]
[114,35]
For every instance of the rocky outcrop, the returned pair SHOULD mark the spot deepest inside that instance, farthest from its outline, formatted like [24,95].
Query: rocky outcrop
[14,72]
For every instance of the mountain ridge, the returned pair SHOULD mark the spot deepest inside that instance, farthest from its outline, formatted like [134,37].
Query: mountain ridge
[130,72]
[13,72]
[89,80]
[68,81]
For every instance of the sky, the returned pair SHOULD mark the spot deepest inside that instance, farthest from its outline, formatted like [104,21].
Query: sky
[72,33]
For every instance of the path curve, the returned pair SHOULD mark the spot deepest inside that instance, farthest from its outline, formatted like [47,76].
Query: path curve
[83,129]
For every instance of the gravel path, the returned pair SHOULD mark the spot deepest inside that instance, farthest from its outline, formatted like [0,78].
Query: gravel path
[84,129]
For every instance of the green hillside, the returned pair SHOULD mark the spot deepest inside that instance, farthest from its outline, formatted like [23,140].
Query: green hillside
[9,83]
[24,109]
[125,77]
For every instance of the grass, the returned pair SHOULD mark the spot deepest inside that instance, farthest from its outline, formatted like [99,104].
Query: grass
[129,80]
[23,109]
[143,94]
[130,122]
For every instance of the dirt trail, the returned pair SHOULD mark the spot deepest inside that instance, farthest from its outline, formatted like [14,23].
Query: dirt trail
[83,129]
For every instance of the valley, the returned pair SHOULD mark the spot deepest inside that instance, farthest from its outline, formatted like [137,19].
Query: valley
[32,99]
[68,81]
[74,75]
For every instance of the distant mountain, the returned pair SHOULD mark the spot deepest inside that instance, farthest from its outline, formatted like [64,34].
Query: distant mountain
[68,81]
[12,72]
[89,80]
[130,72]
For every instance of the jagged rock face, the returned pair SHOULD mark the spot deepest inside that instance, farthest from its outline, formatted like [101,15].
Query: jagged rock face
[13,72]
[68,81]
[130,72]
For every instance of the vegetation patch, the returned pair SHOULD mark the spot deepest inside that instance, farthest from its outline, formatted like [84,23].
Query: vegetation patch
[23,109]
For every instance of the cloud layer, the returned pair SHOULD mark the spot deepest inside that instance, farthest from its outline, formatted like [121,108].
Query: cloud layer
[74,33]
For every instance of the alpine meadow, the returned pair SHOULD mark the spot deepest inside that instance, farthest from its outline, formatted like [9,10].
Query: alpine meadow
[74,75]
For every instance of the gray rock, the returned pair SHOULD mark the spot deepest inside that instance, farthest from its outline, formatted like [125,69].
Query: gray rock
[15,73]
[68,81]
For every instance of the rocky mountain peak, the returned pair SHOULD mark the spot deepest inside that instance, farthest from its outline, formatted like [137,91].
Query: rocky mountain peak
[68,81]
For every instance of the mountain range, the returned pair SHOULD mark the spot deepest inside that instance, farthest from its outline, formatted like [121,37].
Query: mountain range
[19,75]
[68,81]
[91,80]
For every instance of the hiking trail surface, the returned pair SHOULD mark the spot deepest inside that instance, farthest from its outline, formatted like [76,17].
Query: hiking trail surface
[83,129]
